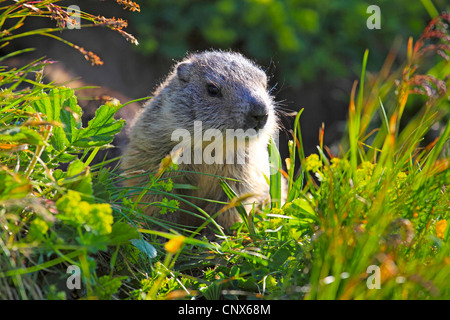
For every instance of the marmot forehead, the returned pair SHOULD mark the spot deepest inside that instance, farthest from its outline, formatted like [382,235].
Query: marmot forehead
[225,63]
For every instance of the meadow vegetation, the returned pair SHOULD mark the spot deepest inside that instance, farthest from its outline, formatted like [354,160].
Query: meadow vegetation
[380,206]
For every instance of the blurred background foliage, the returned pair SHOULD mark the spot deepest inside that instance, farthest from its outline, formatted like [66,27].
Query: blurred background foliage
[308,39]
[312,50]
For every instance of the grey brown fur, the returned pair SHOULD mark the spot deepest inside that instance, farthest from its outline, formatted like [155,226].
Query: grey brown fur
[243,103]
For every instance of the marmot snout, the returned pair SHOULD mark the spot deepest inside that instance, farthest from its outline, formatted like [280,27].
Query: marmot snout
[219,97]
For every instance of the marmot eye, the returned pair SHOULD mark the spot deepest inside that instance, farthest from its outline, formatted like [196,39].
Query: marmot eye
[213,90]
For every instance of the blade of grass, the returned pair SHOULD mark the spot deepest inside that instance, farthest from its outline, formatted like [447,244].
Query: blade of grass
[232,195]
[296,144]
[275,177]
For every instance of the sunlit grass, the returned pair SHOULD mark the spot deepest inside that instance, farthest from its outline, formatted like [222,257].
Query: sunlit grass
[381,203]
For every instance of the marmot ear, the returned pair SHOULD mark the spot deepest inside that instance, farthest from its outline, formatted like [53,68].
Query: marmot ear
[183,71]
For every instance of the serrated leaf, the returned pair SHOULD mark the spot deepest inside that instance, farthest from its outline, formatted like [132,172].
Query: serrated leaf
[56,100]
[58,139]
[71,116]
[44,105]
[60,105]
[101,129]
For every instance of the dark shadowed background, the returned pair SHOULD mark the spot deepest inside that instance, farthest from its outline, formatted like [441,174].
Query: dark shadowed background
[312,49]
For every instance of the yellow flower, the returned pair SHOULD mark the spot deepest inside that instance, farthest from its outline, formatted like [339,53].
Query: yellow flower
[339,164]
[366,167]
[441,226]
[335,163]
[174,244]
[363,174]
[400,178]
[313,163]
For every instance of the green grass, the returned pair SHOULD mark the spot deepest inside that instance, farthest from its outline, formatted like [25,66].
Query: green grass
[382,203]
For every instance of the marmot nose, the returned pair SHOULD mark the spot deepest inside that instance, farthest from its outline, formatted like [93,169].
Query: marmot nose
[257,116]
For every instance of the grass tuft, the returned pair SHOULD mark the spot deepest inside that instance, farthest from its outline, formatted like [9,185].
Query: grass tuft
[368,223]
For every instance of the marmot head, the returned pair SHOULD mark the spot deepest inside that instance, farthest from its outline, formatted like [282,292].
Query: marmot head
[224,90]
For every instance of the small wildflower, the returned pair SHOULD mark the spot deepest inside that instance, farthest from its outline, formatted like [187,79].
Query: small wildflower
[427,85]
[339,164]
[313,163]
[366,165]
[95,217]
[401,176]
[5,33]
[174,244]
[130,5]
[38,229]
[334,163]
[321,177]
[364,174]
[128,37]
[89,56]
[441,226]
[58,14]
[400,179]
[116,24]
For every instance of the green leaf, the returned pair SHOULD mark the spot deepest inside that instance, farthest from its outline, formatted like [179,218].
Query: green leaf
[107,286]
[279,258]
[60,104]
[13,186]
[144,247]
[78,178]
[21,135]
[46,106]
[93,241]
[301,209]
[122,232]
[71,118]
[95,218]
[101,188]
[66,157]
[213,291]
[101,129]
